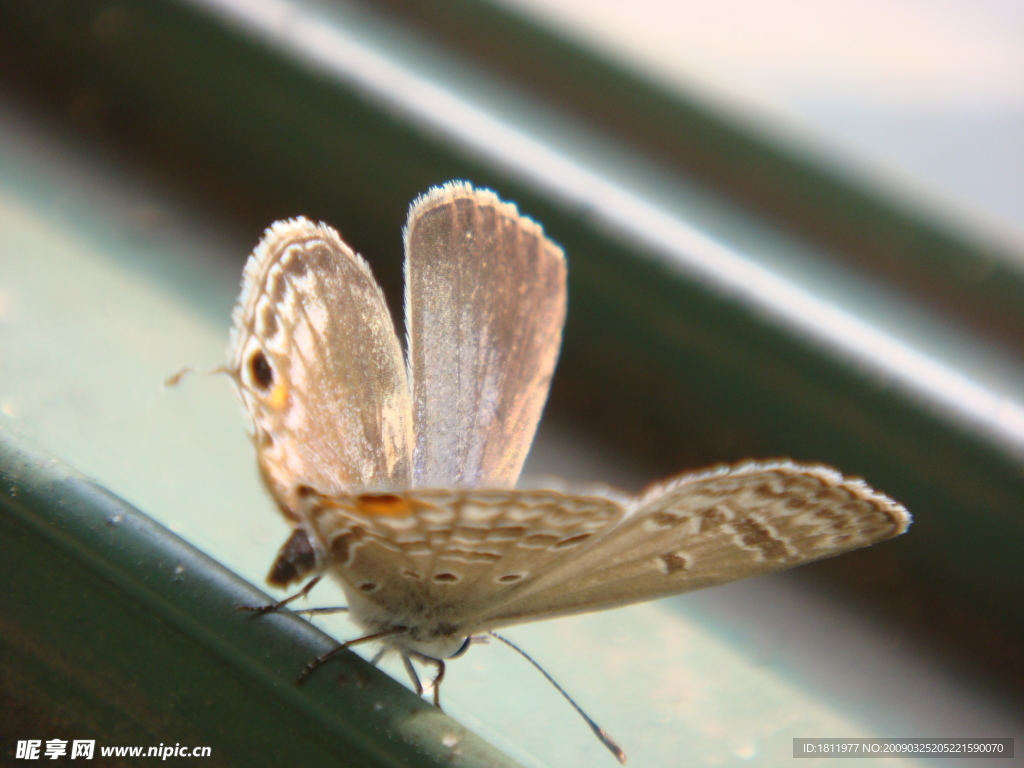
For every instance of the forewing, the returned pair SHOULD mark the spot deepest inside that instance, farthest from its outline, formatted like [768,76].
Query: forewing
[318,366]
[485,305]
[453,555]
[709,528]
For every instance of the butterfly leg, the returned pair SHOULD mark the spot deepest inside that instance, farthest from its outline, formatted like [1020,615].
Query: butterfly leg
[411,671]
[282,603]
[308,669]
[436,685]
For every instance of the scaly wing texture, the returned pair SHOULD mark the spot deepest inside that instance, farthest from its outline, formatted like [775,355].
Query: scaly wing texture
[708,528]
[318,366]
[485,304]
[450,556]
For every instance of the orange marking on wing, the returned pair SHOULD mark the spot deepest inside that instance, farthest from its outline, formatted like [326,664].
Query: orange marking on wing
[384,504]
[279,397]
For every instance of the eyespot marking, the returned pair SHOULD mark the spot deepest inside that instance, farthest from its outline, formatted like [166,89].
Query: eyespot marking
[259,368]
[367,586]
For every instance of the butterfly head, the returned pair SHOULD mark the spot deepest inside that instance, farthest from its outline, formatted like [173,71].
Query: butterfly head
[424,635]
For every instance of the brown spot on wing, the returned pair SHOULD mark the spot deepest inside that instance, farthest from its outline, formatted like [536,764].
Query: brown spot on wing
[838,521]
[755,535]
[673,563]
[342,546]
[711,518]
[665,519]
[259,368]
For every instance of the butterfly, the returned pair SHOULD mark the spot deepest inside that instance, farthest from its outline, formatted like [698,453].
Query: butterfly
[397,471]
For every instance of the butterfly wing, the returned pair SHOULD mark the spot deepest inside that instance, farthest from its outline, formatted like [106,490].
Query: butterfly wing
[449,556]
[485,305]
[704,529]
[318,366]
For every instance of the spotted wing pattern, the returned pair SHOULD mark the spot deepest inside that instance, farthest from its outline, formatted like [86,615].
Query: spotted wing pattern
[451,555]
[318,366]
[708,528]
[480,560]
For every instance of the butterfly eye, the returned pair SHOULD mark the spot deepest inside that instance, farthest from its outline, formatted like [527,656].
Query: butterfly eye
[260,369]
[462,648]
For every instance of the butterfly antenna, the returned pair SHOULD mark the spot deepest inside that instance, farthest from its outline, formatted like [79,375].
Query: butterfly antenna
[603,737]
[322,611]
[175,380]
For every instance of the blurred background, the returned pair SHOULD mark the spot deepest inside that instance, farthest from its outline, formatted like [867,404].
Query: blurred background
[793,229]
